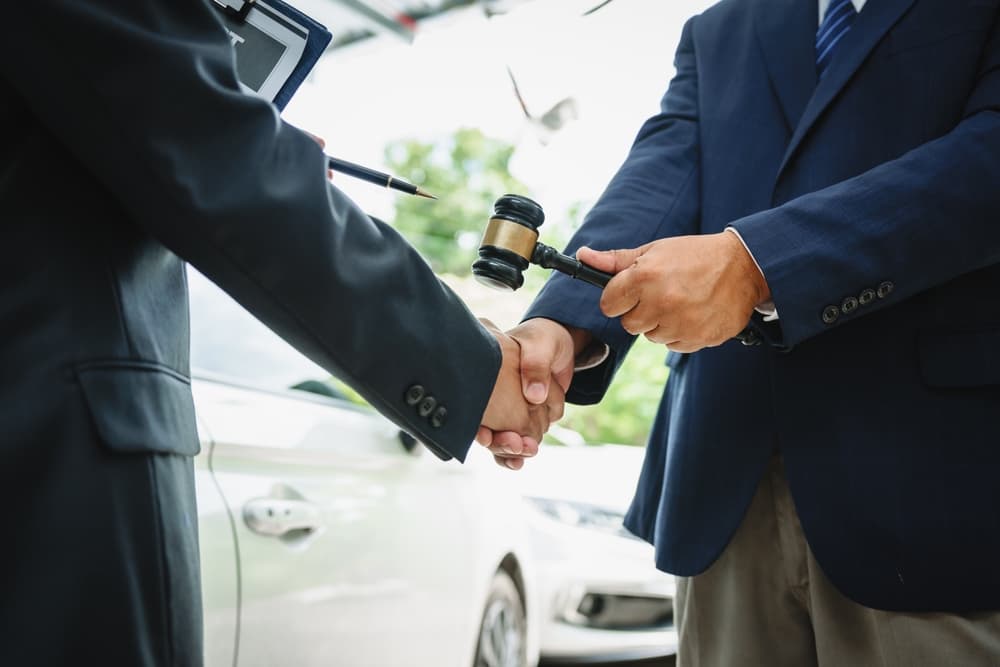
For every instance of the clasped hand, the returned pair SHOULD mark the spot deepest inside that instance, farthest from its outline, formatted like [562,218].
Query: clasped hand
[529,394]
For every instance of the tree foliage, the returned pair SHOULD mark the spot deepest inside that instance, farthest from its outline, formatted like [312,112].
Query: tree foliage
[468,171]
[625,414]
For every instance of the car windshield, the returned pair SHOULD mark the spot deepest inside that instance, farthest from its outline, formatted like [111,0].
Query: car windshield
[227,341]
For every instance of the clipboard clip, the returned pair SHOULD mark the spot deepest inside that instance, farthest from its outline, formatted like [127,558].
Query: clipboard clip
[238,9]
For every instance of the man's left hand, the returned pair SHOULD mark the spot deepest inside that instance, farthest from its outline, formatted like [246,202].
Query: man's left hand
[686,292]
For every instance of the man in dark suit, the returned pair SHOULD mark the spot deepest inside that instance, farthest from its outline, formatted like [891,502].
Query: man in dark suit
[835,167]
[126,149]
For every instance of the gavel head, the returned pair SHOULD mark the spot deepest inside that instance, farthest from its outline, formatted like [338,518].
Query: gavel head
[508,242]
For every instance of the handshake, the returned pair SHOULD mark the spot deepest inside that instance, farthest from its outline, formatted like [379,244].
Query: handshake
[530,390]
[686,292]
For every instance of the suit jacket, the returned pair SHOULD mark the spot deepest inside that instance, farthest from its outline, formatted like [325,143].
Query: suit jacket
[126,149]
[870,199]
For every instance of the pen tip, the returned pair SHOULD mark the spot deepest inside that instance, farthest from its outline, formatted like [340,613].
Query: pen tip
[424,193]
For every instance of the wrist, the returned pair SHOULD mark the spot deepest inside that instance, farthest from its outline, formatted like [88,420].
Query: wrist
[748,267]
[582,339]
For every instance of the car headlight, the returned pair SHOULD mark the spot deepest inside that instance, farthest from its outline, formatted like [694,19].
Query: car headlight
[582,515]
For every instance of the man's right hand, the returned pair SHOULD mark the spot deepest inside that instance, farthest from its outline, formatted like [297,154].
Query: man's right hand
[548,349]
[547,353]
[512,427]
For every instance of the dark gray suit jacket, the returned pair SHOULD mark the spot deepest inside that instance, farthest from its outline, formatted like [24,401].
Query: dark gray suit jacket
[126,149]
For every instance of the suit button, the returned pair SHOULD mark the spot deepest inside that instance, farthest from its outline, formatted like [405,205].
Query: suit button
[849,305]
[830,314]
[427,406]
[884,289]
[866,297]
[414,394]
[439,417]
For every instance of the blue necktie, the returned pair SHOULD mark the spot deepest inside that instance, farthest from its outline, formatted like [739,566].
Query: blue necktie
[837,22]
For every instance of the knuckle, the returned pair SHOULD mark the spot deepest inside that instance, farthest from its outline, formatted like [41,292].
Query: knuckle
[632,323]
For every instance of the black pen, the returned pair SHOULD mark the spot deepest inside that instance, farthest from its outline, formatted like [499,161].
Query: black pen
[376,177]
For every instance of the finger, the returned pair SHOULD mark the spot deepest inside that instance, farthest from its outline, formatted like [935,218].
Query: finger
[685,346]
[488,324]
[621,295]
[484,436]
[319,140]
[507,442]
[538,419]
[512,445]
[610,261]
[637,321]
[556,404]
[512,464]
[662,336]
[527,448]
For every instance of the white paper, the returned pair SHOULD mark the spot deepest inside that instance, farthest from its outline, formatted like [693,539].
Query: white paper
[268,46]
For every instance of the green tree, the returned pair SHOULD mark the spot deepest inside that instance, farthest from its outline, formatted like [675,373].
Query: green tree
[468,171]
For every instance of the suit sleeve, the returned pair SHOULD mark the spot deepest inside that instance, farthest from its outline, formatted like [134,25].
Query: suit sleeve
[908,225]
[144,95]
[654,194]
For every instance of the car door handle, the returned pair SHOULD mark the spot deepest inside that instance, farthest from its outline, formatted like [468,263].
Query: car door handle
[279,517]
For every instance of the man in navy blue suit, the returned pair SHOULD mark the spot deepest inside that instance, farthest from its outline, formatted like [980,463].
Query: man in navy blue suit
[831,173]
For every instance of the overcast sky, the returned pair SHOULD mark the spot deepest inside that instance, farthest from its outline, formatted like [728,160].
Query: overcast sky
[615,64]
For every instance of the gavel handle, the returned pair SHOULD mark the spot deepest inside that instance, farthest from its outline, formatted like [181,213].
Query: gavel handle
[549,258]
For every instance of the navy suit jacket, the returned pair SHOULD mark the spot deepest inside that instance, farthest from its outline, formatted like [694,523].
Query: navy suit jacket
[871,200]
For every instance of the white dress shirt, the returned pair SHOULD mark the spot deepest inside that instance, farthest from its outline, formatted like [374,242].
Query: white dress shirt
[825,4]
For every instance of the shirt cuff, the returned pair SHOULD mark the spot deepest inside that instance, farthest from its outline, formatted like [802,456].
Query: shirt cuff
[767,309]
[591,356]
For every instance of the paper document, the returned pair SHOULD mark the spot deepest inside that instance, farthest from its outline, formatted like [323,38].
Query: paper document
[276,46]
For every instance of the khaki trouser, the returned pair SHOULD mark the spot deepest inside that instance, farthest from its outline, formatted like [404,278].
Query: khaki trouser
[765,602]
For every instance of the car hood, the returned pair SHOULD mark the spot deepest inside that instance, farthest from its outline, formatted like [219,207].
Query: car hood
[601,475]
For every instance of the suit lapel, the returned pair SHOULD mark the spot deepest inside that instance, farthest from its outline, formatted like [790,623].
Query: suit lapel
[870,26]
[786,32]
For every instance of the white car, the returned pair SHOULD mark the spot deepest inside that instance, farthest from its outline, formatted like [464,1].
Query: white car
[330,538]
[602,599]
[327,536]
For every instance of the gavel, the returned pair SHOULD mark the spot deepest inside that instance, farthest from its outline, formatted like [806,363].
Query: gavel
[510,244]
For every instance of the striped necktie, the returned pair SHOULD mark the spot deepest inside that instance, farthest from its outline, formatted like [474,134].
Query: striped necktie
[839,17]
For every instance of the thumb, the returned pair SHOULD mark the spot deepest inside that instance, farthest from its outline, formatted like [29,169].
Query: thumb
[537,355]
[546,351]
[610,261]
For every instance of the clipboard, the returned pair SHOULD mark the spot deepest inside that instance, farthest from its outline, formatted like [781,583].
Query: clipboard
[276,46]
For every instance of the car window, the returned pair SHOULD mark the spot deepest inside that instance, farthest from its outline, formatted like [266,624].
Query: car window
[227,341]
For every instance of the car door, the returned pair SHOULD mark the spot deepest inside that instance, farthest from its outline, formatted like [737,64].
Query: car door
[355,545]
[219,571]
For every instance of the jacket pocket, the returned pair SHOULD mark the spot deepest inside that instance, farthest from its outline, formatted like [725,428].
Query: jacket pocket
[960,358]
[140,407]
